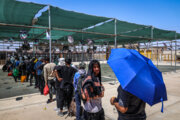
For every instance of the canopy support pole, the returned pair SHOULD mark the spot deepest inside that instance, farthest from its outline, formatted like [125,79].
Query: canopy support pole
[49,34]
[33,44]
[115,32]
[152,28]
[82,57]
[115,42]
[157,54]
[171,53]
[175,50]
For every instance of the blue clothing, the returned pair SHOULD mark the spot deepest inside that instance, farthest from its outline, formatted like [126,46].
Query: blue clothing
[77,96]
[78,106]
[36,67]
[16,63]
[77,76]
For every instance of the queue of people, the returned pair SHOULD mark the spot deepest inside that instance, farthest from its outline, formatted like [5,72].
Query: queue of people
[66,82]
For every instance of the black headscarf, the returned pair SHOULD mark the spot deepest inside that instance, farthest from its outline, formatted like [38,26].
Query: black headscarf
[90,70]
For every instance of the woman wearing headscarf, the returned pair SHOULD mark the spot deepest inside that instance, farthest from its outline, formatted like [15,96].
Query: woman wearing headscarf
[92,91]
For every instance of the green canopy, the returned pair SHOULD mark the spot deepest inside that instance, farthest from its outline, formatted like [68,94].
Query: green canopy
[107,29]
[10,31]
[69,19]
[15,12]
[126,33]
[41,33]
[22,13]
[136,30]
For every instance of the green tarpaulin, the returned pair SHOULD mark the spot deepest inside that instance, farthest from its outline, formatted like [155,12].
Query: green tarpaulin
[55,34]
[22,13]
[126,33]
[9,31]
[15,12]
[69,19]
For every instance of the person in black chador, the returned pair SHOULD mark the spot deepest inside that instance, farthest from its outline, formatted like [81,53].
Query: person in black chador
[65,75]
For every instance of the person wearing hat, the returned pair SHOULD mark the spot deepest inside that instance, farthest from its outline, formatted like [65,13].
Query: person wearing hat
[80,74]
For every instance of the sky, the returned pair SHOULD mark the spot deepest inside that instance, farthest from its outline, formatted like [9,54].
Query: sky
[163,14]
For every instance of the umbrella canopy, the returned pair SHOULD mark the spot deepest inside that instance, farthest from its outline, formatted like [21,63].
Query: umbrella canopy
[138,75]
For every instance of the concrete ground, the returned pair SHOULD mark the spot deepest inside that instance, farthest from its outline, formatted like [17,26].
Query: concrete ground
[34,106]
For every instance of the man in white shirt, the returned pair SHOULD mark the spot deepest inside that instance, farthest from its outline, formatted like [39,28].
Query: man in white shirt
[49,78]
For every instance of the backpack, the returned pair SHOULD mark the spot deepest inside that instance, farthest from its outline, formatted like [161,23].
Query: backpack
[79,85]
[72,108]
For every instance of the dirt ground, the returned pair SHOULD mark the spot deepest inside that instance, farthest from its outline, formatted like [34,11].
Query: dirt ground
[33,106]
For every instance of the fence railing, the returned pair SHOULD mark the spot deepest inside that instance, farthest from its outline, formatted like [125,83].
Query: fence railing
[77,57]
[160,57]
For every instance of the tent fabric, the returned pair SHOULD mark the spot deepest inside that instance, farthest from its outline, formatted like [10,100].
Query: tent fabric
[10,31]
[69,19]
[15,12]
[33,33]
[131,29]
[128,30]
[55,34]
[108,28]
[22,13]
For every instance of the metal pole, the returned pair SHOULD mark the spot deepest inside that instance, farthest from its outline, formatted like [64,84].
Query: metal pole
[157,54]
[115,41]
[152,28]
[93,51]
[171,53]
[99,52]
[115,32]
[82,58]
[3,45]
[19,47]
[175,50]
[33,44]
[49,34]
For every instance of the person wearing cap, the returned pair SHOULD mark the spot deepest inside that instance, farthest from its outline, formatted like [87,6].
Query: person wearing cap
[81,73]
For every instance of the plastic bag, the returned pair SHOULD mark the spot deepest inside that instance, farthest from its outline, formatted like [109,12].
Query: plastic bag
[46,90]
[23,78]
[15,72]
[10,74]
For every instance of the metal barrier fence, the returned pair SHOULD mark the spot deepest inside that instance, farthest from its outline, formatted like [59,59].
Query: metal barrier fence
[101,56]
[160,57]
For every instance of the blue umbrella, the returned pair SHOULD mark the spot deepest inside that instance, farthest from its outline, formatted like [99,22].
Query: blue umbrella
[138,75]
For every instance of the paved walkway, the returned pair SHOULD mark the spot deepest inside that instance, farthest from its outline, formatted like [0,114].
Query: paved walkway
[34,107]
